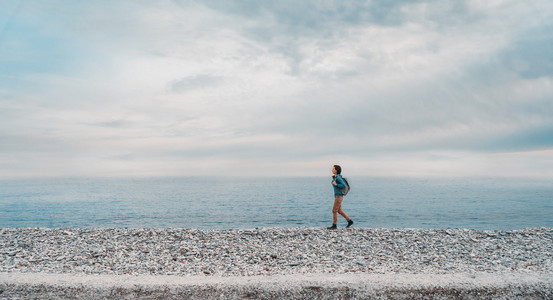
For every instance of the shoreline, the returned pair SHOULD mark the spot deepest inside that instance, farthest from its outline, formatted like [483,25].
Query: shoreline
[283,262]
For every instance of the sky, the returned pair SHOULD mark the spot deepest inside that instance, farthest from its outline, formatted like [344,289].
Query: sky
[276,88]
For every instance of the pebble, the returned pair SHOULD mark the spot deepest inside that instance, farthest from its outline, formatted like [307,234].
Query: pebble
[271,251]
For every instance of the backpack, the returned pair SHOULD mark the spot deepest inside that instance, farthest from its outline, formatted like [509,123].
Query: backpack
[345,190]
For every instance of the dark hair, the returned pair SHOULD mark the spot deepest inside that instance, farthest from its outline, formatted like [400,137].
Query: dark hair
[338,169]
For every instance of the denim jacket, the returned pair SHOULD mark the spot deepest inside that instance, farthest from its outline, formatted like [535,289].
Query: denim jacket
[340,184]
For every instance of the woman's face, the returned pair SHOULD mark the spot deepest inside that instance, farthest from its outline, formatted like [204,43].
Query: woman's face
[334,171]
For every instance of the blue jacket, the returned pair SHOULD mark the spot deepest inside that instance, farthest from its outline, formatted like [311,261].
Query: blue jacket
[340,184]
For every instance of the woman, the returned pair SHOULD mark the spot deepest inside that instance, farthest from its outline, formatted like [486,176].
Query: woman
[338,184]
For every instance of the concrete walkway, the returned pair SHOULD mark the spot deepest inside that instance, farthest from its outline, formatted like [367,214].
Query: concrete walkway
[312,286]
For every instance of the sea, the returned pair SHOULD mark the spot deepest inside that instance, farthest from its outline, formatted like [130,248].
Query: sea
[242,203]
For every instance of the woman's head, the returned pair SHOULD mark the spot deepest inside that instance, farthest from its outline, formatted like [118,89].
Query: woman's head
[338,169]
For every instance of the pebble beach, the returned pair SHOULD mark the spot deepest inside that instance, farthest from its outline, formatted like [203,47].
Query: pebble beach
[354,257]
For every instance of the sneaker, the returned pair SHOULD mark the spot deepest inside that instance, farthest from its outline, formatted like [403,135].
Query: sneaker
[350,222]
[332,227]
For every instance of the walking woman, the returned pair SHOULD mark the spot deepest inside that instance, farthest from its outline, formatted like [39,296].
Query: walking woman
[338,184]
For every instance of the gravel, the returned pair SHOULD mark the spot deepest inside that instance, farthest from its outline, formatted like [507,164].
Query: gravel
[270,251]
[273,252]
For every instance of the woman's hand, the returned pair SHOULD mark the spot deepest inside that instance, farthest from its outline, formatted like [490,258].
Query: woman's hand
[334,182]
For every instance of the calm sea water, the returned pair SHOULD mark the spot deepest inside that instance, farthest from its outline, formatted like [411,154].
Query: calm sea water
[225,203]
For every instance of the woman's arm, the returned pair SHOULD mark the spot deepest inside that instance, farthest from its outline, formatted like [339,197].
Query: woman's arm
[340,182]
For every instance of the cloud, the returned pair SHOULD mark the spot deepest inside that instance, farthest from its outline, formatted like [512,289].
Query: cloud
[148,88]
[194,82]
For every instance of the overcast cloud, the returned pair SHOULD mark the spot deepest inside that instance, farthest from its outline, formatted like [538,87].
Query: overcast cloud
[152,88]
